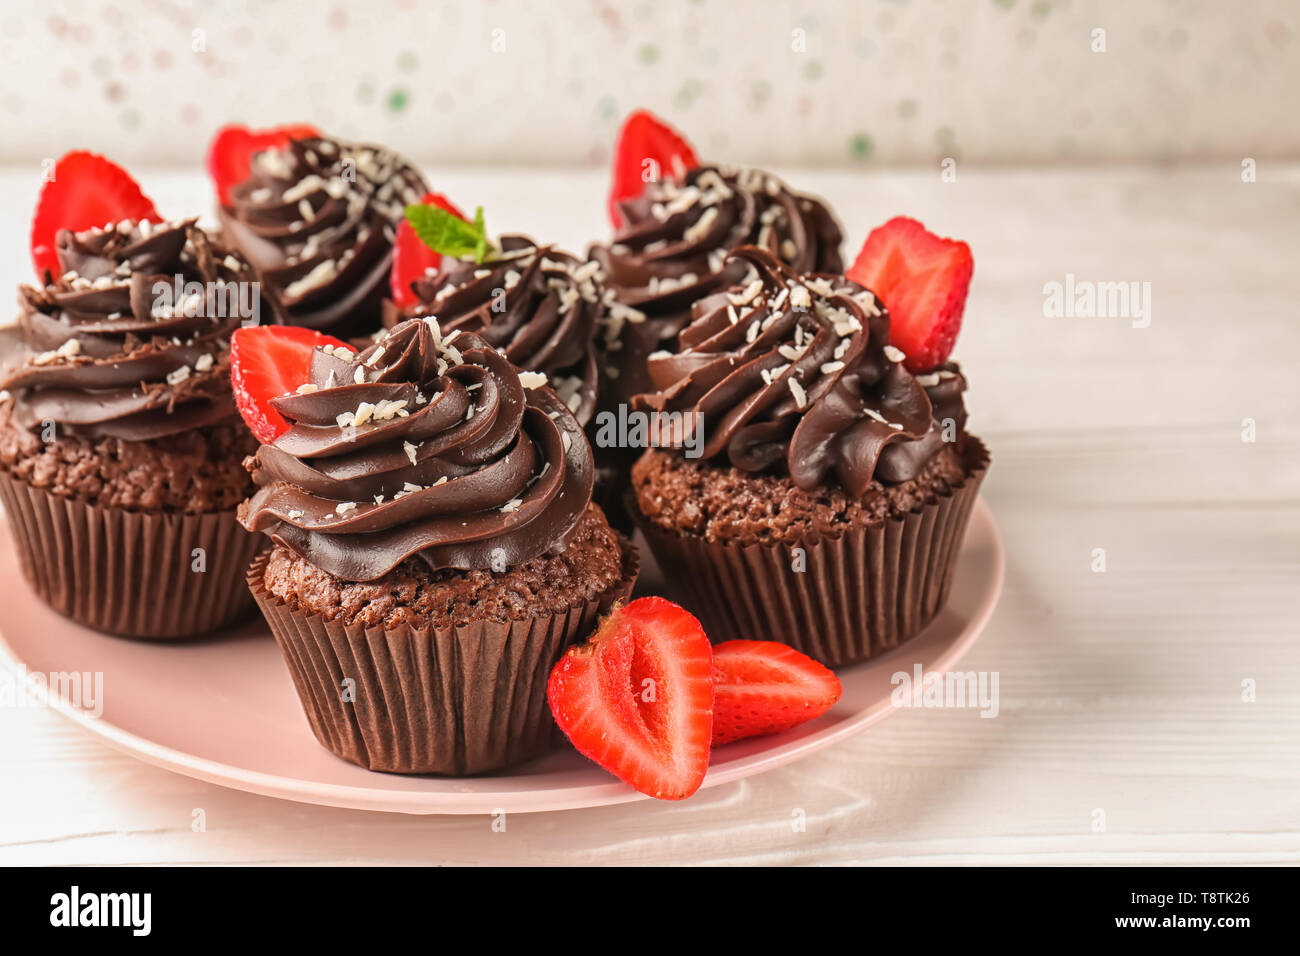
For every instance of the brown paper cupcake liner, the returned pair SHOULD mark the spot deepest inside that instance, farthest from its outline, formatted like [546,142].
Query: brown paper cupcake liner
[454,700]
[860,594]
[128,573]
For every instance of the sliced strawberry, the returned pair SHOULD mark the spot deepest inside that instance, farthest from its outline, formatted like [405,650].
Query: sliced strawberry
[411,257]
[765,687]
[230,154]
[267,361]
[86,191]
[923,280]
[644,136]
[638,697]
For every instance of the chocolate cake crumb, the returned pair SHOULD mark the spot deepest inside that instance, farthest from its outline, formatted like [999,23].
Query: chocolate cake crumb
[723,503]
[590,565]
[195,472]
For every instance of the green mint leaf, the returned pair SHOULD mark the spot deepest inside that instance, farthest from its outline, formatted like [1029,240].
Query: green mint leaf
[445,233]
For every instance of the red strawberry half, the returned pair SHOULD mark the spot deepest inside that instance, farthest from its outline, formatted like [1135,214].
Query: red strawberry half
[411,257]
[267,361]
[765,687]
[645,136]
[922,279]
[638,697]
[230,154]
[86,191]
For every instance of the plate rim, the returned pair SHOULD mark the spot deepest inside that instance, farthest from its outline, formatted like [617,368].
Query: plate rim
[453,802]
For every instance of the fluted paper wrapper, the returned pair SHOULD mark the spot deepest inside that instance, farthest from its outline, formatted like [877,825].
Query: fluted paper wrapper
[452,701]
[128,573]
[859,595]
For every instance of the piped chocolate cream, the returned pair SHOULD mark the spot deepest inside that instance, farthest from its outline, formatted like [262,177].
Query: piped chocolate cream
[425,445]
[672,250]
[536,302]
[110,349]
[794,372]
[317,220]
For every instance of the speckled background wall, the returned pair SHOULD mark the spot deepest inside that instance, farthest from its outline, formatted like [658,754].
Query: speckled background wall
[512,81]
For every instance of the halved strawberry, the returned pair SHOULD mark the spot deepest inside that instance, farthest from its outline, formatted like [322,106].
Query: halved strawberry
[267,361]
[638,697]
[644,136]
[230,154]
[765,687]
[86,191]
[411,257]
[923,280]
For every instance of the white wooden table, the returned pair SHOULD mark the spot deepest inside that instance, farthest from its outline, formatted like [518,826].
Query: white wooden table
[1120,691]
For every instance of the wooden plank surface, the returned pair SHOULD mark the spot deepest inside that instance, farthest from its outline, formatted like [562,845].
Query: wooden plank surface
[1120,691]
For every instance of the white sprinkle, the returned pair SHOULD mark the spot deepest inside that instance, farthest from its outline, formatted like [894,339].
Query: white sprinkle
[306,388]
[344,507]
[203,363]
[893,354]
[323,272]
[68,349]
[702,225]
[178,375]
[511,505]
[750,291]
[831,368]
[375,356]
[410,451]
[532,379]
[294,515]
[927,380]
[800,396]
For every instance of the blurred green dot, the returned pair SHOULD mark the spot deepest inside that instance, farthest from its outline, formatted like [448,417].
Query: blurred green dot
[407,60]
[648,53]
[1040,10]
[906,108]
[606,107]
[812,69]
[1004,4]
[760,91]
[365,92]
[397,100]
[861,146]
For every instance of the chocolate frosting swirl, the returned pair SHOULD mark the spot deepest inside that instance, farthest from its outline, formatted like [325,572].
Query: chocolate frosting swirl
[796,372]
[421,446]
[108,349]
[538,303]
[317,220]
[673,249]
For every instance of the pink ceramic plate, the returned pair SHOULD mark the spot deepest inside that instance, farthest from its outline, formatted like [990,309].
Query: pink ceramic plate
[224,709]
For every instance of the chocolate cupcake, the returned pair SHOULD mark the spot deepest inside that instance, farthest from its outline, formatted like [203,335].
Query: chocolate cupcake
[536,302]
[317,220]
[672,250]
[807,488]
[119,438]
[435,550]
